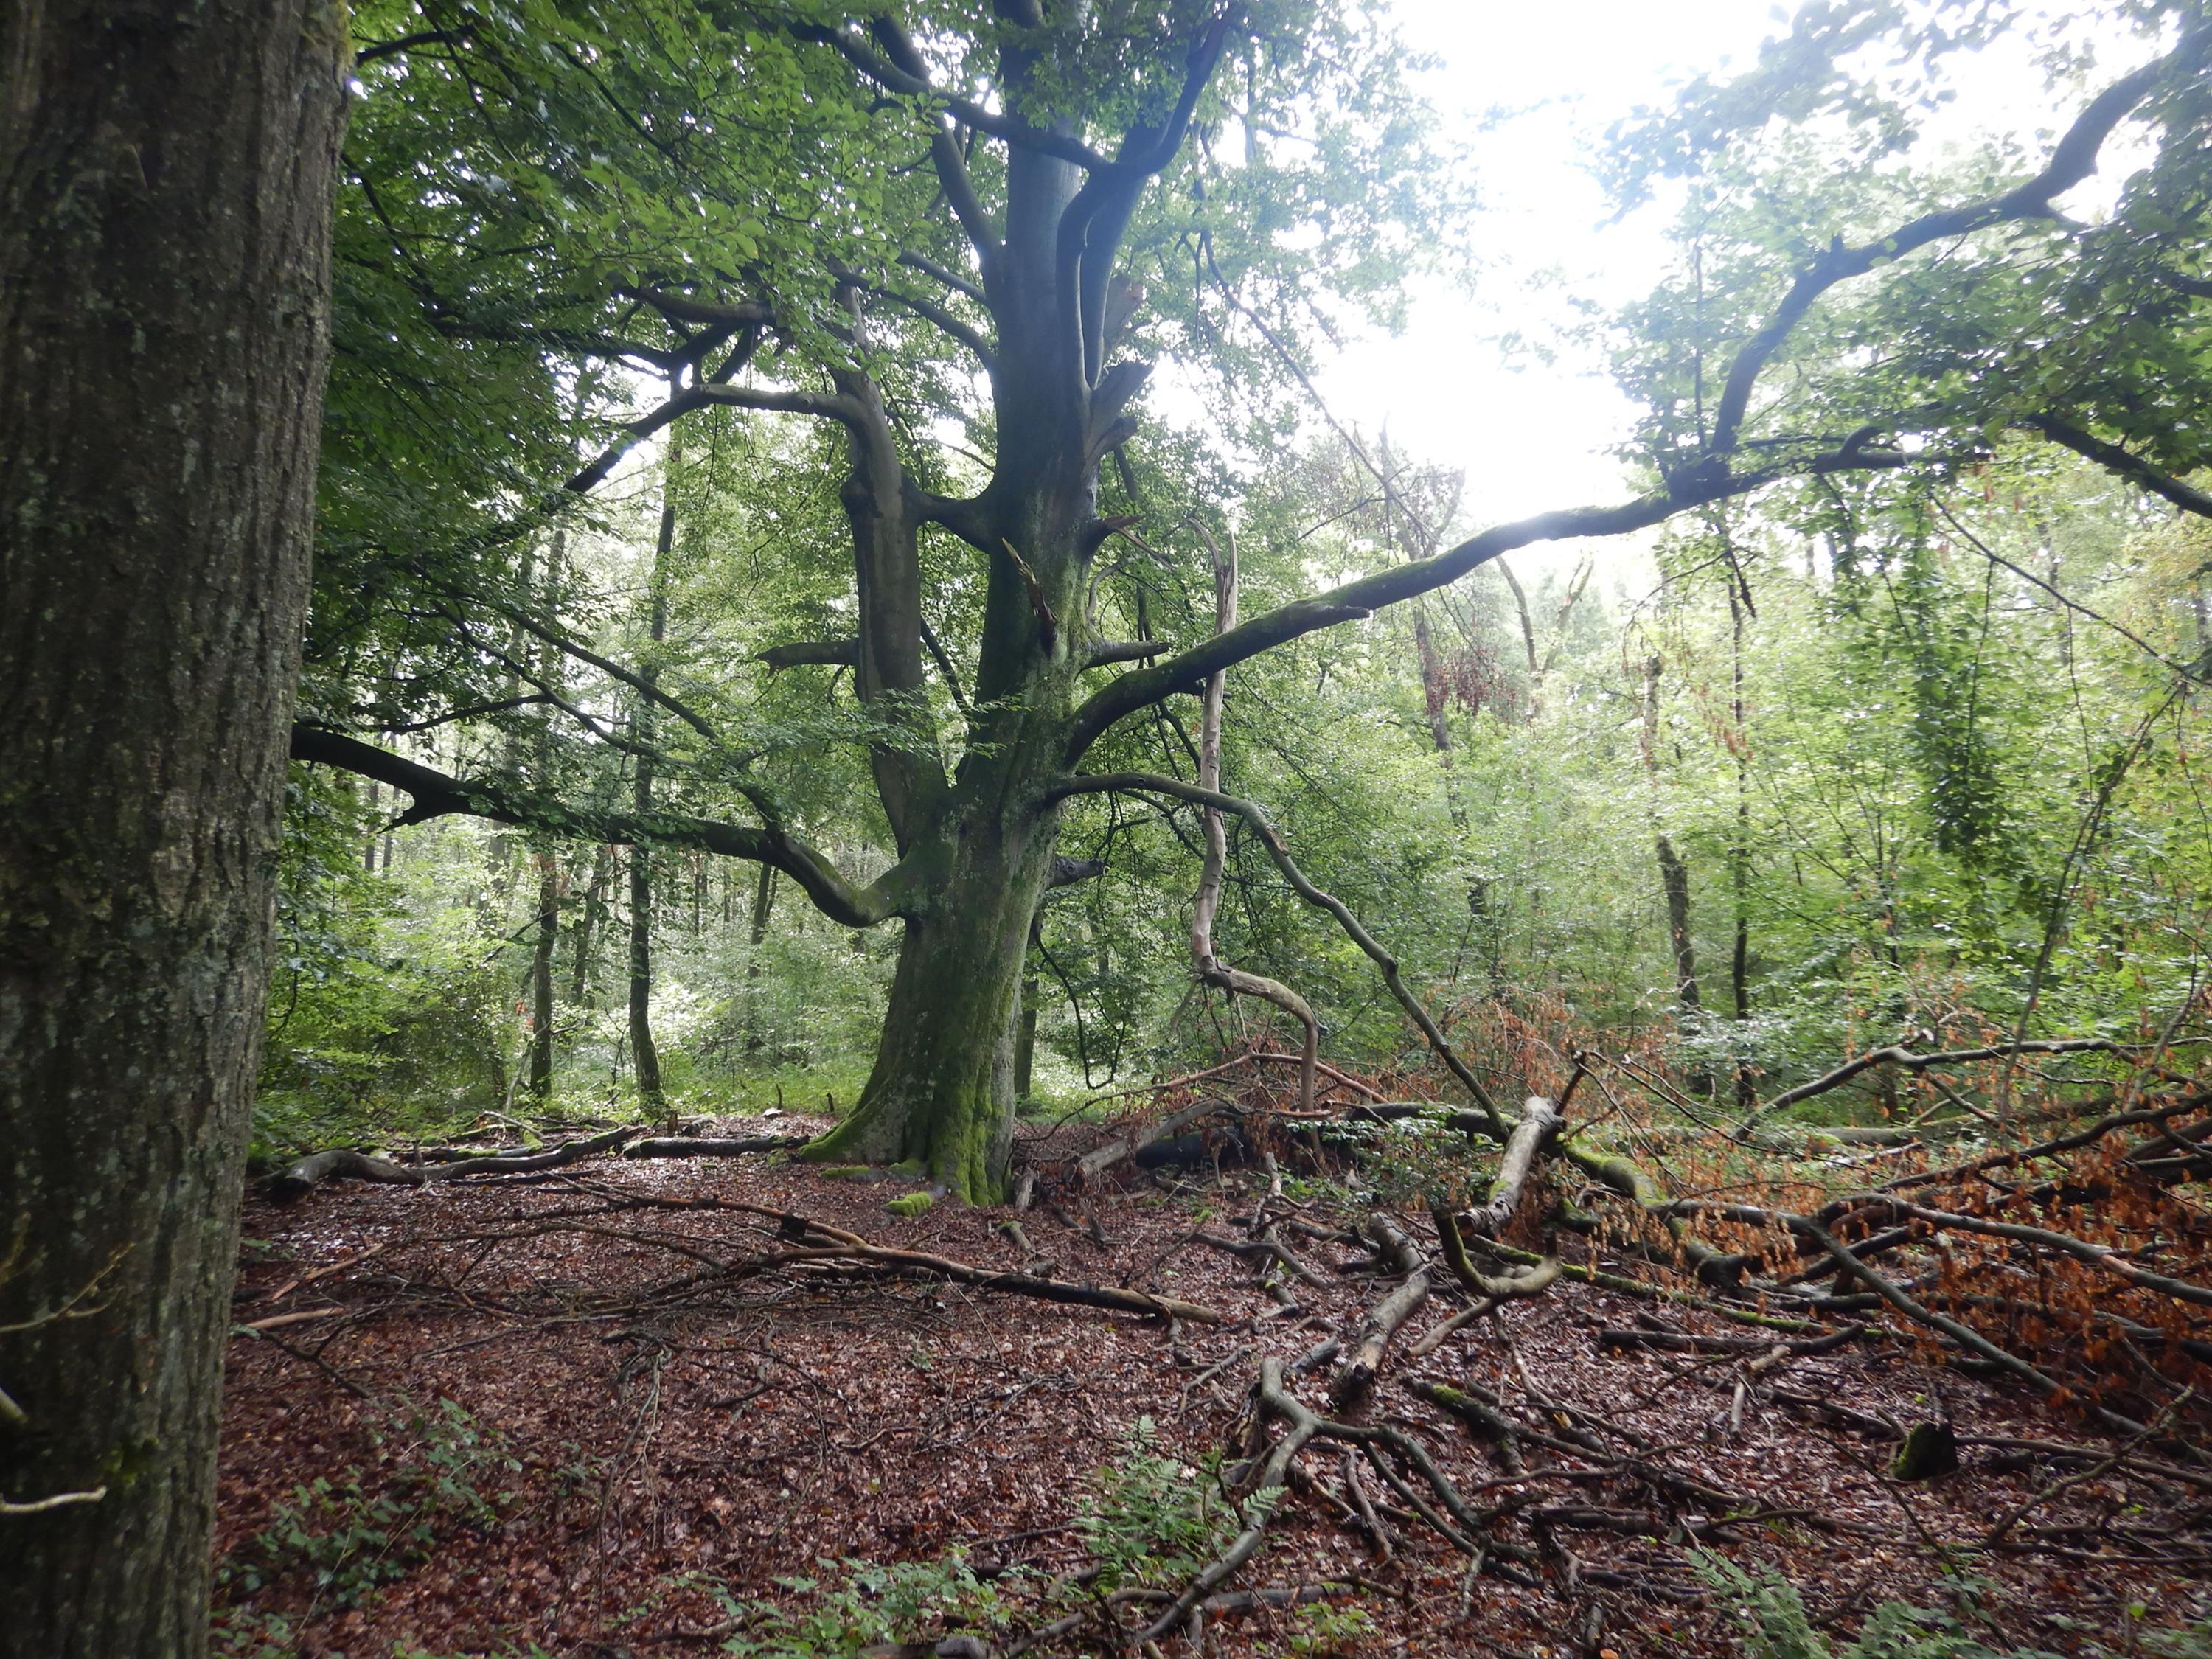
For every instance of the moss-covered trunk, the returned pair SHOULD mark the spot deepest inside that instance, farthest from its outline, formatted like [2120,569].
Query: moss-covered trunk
[942,1090]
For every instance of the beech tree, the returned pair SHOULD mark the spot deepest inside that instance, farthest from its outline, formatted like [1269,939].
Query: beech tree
[165,239]
[957,238]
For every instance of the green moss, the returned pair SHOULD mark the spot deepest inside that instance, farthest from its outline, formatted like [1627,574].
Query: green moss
[912,1204]
[1929,1450]
[846,1172]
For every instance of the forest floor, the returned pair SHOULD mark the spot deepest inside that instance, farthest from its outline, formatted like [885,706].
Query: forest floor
[537,1415]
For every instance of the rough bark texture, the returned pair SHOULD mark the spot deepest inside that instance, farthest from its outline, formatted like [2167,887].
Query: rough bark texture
[166,180]
[942,1090]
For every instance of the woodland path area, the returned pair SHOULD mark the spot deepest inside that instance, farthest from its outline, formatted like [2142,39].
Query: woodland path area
[554,1408]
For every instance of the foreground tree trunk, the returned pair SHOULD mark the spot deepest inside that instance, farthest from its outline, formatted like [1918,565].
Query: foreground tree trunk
[166,182]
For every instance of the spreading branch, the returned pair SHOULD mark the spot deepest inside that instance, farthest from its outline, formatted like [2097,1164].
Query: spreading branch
[2072,160]
[1141,783]
[438,795]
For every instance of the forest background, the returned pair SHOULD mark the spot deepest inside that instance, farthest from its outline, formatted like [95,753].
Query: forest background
[788,488]
[1856,759]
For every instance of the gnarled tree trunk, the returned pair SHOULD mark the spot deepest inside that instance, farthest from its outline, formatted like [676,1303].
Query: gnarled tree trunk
[166,180]
[942,1090]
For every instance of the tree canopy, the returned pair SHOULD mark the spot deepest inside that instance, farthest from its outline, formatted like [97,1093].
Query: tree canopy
[884,293]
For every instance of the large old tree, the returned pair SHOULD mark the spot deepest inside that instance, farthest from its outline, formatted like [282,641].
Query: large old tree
[957,239]
[166,185]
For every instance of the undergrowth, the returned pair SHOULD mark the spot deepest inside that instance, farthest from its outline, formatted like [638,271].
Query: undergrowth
[1148,1519]
[1775,1624]
[334,1543]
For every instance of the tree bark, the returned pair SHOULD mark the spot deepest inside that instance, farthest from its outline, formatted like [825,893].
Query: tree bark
[166,181]
[763,907]
[941,1092]
[540,976]
[591,913]
[1747,1088]
[644,1057]
[1674,880]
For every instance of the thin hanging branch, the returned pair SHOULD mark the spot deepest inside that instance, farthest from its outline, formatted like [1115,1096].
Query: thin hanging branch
[1208,965]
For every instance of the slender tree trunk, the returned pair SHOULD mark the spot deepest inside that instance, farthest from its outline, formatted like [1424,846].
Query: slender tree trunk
[541,977]
[1746,1089]
[1675,879]
[1433,690]
[369,853]
[546,856]
[1025,1039]
[590,915]
[1205,962]
[644,1055]
[1673,874]
[166,178]
[763,906]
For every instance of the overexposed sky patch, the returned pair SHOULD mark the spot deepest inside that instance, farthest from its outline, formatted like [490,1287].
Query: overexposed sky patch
[1532,436]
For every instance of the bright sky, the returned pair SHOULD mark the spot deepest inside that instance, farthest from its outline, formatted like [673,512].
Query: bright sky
[1533,438]
[1536,438]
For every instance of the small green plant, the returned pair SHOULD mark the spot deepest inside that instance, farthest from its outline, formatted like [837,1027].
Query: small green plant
[347,1538]
[1776,1625]
[2190,1641]
[1150,1517]
[1328,1631]
[858,1604]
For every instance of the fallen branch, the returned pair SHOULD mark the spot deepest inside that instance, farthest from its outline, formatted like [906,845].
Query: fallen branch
[1501,1288]
[1906,1059]
[1355,1376]
[1539,1121]
[844,1246]
[1095,1163]
[343,1162]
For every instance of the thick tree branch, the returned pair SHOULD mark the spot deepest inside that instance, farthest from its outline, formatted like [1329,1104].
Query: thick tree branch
[855,49]
[931,312]
[438,795]
[1090,230]
[2072,160]
[1111,651]
[774,400]
[967,207]
[2113,458]
[828,653]
[1363,597]
[683,403]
